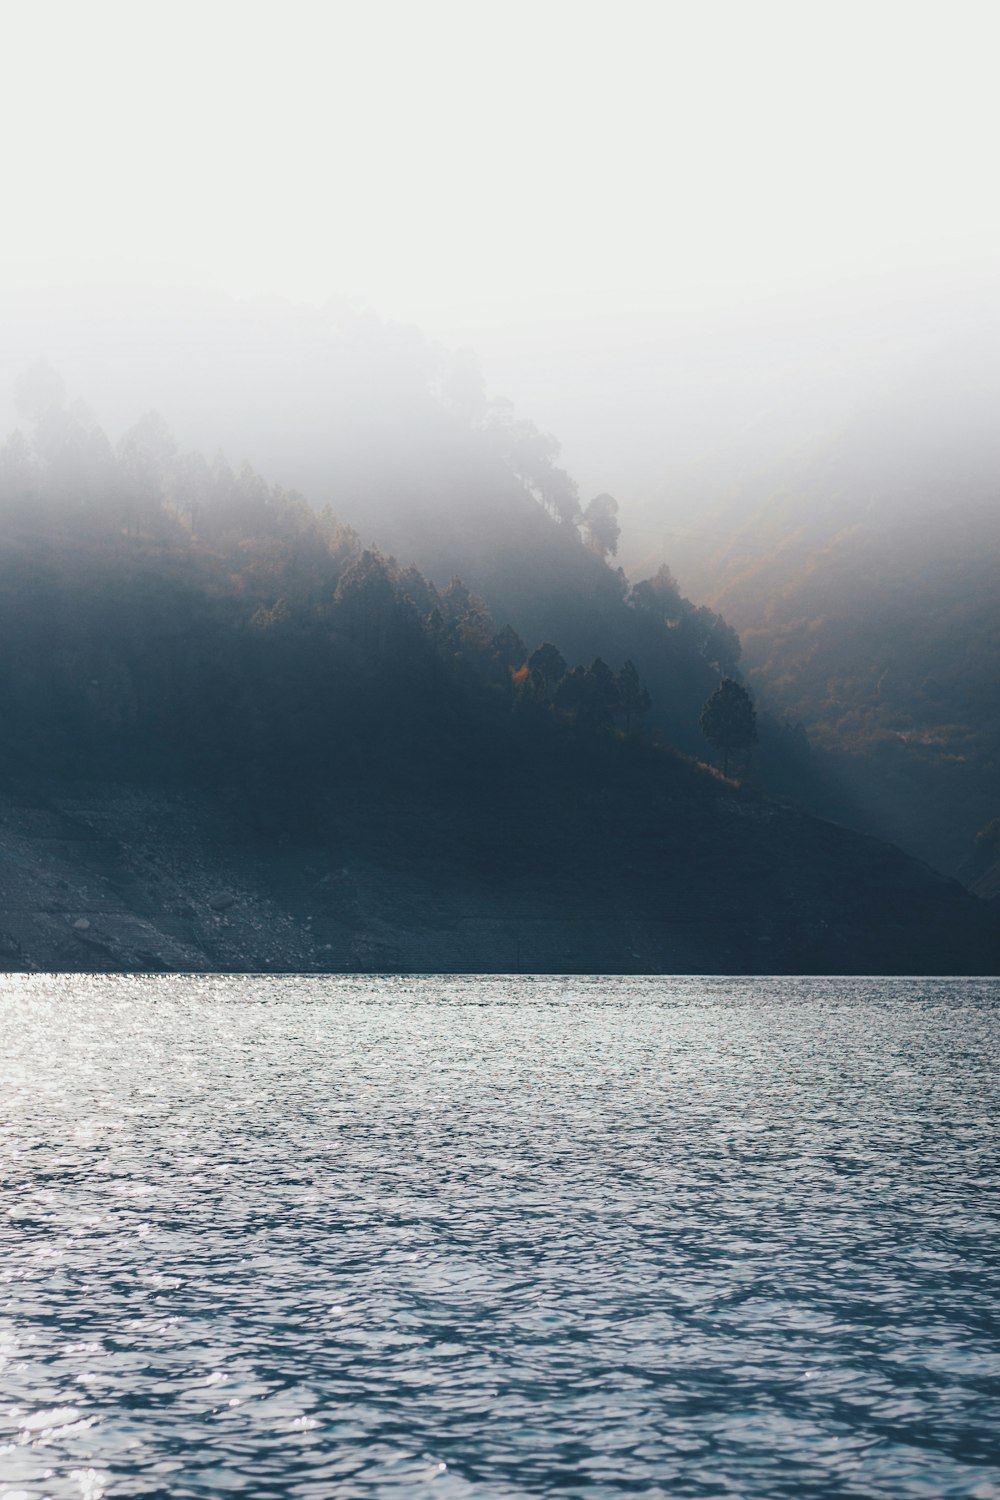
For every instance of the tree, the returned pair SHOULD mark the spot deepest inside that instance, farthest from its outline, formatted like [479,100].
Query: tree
[604,700]
[548,667]
[368,603]
[633,699]
[471,623]
[660,595]
[531,454]
[588,696]
[728,720]
[601,526]
[711,637]
[509,649]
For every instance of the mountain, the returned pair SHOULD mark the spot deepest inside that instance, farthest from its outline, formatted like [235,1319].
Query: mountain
[396,435]
[538,872]
[236,737]
[861,573]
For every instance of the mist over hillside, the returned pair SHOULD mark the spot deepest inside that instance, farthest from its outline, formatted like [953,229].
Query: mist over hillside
[832,497]
[860,569]
[690,413]
[378,768]
[400,437]
[499,748]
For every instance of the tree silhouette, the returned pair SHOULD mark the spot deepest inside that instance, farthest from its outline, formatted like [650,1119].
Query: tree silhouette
[660,595]
[588,697]
[633,699]
[509,648]
[601,525]
[548,666]
[604,700]
[728,720]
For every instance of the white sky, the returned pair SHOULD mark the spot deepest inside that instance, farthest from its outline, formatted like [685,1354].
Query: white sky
[453,160]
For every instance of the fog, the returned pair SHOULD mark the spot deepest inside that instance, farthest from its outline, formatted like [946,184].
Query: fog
[741,263]
[456,163]
[657,225]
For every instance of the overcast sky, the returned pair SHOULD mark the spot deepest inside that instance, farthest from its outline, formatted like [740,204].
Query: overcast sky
[477,161]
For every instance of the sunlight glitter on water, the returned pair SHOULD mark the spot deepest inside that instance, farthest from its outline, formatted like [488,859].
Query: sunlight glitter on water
[290,1237]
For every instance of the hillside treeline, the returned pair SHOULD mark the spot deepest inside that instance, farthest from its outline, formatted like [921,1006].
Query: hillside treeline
[163,615]
[170,621]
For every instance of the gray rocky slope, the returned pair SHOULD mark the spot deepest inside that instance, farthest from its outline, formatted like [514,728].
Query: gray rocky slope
[115,878]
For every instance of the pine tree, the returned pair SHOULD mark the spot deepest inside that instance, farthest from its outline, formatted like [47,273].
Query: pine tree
[728,720]
[633,699]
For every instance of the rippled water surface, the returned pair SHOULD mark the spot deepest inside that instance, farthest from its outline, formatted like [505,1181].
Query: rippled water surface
[353,1237]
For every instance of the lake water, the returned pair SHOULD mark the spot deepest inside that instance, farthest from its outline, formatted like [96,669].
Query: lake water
[499,1237]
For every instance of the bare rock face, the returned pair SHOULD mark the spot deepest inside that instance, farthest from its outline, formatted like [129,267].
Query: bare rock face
[143,868]
[109,878]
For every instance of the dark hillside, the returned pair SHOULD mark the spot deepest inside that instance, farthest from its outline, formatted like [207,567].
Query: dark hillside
[399,438]
[536,873]
[235,738]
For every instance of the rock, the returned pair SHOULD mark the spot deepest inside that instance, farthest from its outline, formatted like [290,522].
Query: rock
[81,924]
[222,903]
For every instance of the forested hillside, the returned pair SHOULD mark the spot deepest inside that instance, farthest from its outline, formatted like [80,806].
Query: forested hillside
[399,437]
[365,769]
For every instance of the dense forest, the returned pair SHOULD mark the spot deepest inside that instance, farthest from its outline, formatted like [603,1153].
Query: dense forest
[844,523]
[398,436]
[413,781]
[165,614]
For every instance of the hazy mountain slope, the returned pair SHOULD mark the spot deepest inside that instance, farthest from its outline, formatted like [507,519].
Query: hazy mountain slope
[398,436]
[233,738]
[865,589]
